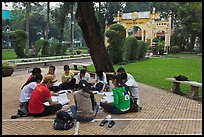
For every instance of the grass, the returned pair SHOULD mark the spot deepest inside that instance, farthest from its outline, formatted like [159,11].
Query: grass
[154,71]
[8,54]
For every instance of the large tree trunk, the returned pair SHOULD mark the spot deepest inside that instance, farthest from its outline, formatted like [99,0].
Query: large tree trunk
[92,35]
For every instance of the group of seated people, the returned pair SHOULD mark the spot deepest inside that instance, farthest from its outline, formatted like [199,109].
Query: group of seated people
[39,89]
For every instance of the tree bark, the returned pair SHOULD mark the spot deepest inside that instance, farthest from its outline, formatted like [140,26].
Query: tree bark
[47,26]
[27,23]
[92,35]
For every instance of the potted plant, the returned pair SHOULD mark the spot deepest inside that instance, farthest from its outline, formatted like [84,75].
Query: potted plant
[7,68]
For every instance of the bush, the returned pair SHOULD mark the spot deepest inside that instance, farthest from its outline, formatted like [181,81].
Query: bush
[38,46]
[8,65]
[55,48]
[19,39]
[45,48]
[174,49]
[142,49]
[130,48]
[64,48]
[116,35]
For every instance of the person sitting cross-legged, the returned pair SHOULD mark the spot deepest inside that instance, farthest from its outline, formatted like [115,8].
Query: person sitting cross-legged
[121,95]
[26,93]
[68,80]
[40,95]
[85,108]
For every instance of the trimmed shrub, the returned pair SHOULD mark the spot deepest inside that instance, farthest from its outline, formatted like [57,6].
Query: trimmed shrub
[38,46]
[64,48]
[174,49]
[142,49]
[19,39]
[130,48]
[45,48]
[116,35]
[55,48]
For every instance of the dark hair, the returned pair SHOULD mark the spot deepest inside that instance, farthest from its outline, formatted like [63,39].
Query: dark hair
[122,70]
[99,74]
[83,71]
[119,80]
[53,67]
[66,67]
[124,76]
[36,70]
[34,78]
[83,85]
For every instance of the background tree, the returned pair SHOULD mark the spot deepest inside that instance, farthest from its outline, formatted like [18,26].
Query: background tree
[91,31]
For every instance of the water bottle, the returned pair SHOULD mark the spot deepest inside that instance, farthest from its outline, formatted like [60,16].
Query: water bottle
[101,112]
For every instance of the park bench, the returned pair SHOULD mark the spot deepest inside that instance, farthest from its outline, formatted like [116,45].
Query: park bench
[79,64]
[194,87]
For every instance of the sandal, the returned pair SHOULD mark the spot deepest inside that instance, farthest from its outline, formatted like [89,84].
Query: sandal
[103,122]
[111,124]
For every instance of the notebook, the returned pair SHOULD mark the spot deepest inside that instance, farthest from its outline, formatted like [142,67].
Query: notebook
[62,99]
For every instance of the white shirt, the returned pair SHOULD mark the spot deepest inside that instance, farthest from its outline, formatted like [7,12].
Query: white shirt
[27,91]
[87,77]
[133,85]
[104,79]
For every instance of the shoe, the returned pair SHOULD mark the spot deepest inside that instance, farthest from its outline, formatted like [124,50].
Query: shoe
[103,122]
[111,124]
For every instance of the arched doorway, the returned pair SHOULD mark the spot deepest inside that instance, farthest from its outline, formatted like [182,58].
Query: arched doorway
[137,32]
[161,35]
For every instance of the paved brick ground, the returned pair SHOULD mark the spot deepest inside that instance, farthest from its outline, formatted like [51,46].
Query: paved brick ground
[163,113]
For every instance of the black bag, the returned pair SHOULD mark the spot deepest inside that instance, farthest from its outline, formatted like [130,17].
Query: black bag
[181,78]
[134,107]
[63,121]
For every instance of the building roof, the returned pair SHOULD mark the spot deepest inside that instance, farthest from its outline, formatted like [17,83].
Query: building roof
[144,14]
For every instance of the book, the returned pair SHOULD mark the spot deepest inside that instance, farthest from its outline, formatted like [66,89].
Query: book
[61,98]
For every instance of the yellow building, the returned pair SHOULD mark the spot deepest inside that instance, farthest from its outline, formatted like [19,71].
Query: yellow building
[149,26]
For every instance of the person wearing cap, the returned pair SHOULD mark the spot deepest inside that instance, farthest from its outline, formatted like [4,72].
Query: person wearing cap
[40,95]
[68,80]
[85,108]
[83,75]
[130,82]
[31,78]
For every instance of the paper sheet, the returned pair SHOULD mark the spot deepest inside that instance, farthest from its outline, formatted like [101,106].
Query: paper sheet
[57,83]
[62,99]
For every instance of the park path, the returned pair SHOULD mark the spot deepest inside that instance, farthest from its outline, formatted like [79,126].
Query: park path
[163,113]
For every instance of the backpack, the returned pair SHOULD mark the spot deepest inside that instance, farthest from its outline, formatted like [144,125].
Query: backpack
[181,78]
[63,121]
[134,107]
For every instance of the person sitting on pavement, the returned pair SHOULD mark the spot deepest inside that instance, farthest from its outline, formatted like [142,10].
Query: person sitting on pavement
[31,78]
[68,80]
[85,108]
[55,88]
[121,95]
[40,95]
[101,83]
[83,75]
[131,83]
[26,93]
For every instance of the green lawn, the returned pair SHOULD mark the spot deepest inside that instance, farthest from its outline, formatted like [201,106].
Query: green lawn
[8,54]
[153,71]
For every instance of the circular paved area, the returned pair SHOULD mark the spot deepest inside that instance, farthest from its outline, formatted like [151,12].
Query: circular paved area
[163,113]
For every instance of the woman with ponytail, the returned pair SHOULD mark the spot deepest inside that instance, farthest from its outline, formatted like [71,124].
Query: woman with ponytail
[121,95]
[85,108]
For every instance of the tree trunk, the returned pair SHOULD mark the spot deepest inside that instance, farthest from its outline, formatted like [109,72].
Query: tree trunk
[72,30]
[47,26]
[92,35]
[27,23]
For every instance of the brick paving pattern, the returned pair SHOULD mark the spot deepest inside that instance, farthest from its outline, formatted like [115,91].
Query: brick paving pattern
[159,116]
